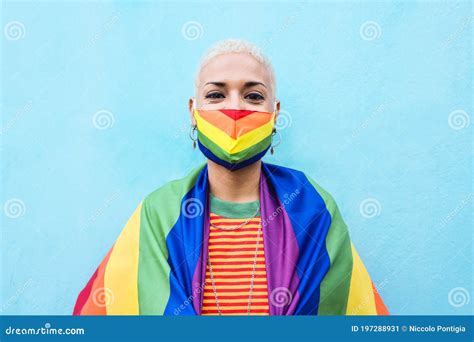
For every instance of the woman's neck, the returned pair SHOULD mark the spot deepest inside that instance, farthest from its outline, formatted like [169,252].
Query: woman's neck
[235,186]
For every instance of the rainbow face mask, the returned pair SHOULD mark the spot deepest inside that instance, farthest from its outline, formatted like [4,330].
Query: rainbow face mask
[234,138]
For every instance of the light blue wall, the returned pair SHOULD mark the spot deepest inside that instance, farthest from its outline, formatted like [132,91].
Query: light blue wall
[379,110]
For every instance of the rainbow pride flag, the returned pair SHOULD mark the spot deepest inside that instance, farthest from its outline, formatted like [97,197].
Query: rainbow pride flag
[155,267]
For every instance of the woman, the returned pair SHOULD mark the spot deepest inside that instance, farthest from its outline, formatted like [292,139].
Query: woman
[236,236]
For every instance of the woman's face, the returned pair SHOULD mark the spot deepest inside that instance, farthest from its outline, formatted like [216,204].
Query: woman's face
[234,81]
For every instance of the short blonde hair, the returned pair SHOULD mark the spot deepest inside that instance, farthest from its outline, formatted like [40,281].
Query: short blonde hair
[236,46]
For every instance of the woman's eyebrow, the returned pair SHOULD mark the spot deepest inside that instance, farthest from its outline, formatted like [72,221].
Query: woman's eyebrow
[253,84]
[219,84]
[246,85]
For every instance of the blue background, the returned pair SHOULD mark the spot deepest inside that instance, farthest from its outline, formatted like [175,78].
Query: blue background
[366,114]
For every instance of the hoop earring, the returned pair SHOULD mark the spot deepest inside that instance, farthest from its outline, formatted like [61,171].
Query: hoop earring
[272,147]
[191,135]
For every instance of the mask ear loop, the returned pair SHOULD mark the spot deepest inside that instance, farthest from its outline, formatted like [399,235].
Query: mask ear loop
[274,131]
[192,133]
[275,113]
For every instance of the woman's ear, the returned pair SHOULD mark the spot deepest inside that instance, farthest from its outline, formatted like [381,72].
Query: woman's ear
[191,105]
[277,109]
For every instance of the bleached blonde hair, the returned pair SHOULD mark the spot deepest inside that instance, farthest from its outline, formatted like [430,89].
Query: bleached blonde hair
[236,46]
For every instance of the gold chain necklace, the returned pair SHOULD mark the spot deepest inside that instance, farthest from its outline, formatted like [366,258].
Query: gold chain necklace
[240,225]
[251,279]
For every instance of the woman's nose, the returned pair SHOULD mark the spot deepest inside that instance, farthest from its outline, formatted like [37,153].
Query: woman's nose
[234,102]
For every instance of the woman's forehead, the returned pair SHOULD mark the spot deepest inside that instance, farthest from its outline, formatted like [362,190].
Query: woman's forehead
[234,68]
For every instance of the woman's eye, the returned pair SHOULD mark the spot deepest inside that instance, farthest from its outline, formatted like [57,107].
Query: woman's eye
[214,95]
[255,97]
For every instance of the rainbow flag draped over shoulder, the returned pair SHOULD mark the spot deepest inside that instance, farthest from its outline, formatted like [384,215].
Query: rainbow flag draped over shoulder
[155,266]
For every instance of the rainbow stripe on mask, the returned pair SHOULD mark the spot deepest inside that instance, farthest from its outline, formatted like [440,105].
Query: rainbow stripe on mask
[234,138]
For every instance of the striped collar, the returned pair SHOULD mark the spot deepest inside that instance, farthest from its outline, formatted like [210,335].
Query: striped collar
[233,209]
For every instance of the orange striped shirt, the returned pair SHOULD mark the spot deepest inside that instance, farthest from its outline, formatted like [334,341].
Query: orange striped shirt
[232,255]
